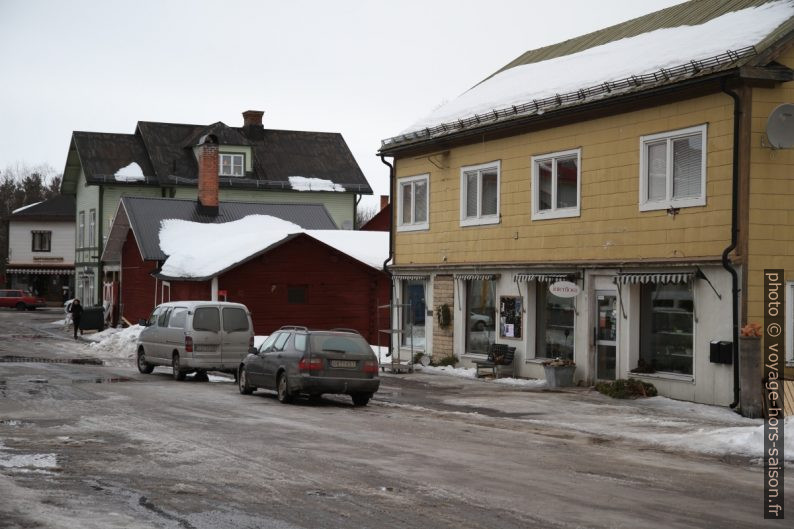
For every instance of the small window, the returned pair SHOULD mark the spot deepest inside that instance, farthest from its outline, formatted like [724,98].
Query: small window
[234,320]
[673,169]
[413,203]
[232,165]
[207,319]
[81,229]
[162,321]
[92,227]
[178,317]
[152,321]
[300,342]
[479,194]
[296,294]
[278,345]
[42,241]
[556,185]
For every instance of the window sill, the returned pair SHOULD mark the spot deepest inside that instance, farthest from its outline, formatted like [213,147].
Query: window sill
[675,204]
[565,213]
[413,227]
[673,377]
[481,221]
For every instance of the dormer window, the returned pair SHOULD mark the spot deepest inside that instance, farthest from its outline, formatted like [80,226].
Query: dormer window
[232,165]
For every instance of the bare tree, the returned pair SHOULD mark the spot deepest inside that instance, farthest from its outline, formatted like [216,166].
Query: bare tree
[364,214]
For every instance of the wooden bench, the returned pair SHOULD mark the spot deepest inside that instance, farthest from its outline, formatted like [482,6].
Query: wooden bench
[504,355]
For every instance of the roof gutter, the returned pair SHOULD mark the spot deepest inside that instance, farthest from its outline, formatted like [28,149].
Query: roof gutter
[726,263]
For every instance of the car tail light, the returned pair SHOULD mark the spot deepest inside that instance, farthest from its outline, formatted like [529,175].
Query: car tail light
[370,366]
[188,344]
[310,364]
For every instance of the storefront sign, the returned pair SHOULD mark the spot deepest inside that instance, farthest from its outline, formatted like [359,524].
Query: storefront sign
[564,289]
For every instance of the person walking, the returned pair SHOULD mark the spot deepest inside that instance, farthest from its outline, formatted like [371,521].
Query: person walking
[77,313]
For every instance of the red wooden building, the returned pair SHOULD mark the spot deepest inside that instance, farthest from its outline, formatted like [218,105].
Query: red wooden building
[297,280]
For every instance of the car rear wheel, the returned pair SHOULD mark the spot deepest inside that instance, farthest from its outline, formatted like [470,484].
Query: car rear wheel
[284,395]
[242,382]
[144,366]
[20,306]
[361,399]
[179,374]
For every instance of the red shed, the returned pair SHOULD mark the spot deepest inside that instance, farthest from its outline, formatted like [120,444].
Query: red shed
[317,278]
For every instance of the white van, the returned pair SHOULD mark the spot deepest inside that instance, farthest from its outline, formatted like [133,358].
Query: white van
[195,336]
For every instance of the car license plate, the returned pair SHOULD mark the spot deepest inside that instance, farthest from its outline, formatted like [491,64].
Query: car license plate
[343,363]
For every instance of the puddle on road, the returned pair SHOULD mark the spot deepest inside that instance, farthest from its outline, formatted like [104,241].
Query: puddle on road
[101,380]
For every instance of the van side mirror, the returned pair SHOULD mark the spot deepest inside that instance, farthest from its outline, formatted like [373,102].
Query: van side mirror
[143,323]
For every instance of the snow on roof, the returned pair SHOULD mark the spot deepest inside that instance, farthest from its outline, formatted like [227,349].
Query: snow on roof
[646,53]
[129,173]
[301,183]
[26,207]
[189,255]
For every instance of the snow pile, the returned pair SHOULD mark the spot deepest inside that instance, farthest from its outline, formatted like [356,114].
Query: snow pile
[646,53]
[26,462]
[189,255]
[130,173]
[301,183]
[25,207]
[116,343]
[461,372]
[521,382]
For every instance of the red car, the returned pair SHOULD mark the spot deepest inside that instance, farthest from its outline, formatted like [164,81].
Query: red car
[20,300]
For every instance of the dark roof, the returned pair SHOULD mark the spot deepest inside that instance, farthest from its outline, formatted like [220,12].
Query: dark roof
[164,151]
[695,12]
[60,207]
[144,215]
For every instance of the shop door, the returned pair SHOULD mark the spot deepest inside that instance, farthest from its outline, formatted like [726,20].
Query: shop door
[606,332]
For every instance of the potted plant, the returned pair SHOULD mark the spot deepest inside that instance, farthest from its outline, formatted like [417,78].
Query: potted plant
[559,372]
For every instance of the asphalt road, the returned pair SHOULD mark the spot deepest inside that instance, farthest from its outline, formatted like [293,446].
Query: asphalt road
[84,446]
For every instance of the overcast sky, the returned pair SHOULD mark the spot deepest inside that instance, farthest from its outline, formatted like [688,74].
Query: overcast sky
[367,69]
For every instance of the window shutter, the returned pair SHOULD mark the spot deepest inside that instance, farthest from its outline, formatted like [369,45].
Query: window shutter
[687,163]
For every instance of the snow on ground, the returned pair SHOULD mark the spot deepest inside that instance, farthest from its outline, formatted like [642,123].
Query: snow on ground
[301,183]
[189,256]
[115,343]
[130,173]
[26,462]
[645,53]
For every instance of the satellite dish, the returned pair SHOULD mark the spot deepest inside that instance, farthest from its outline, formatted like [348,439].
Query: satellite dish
[780,127]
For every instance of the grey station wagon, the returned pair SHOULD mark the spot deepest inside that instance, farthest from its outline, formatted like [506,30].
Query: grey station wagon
[195,336]
[295,360]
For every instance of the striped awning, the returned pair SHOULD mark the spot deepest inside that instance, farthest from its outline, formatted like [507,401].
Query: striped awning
[657,277]
[411,277]
[470,277]
[42,271]
[541,277]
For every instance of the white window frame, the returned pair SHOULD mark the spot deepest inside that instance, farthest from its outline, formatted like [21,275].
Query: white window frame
[413,225]
[555,212]
[231,155]
[669,202]
[81,229]
[480,219]
[790,323]
[92,227]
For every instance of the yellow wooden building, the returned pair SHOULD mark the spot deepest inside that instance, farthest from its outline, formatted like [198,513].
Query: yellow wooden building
[593,200]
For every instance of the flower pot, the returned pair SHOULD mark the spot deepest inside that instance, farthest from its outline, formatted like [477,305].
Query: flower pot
[559,376]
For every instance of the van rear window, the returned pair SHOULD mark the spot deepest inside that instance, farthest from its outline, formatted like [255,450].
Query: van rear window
[207,319]
[234,320]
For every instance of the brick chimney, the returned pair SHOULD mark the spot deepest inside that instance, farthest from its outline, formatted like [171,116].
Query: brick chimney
[384,201]
[208,174]
[252,118]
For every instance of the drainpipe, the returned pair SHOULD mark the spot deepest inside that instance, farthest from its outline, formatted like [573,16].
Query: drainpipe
[391,219]
[726,263]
